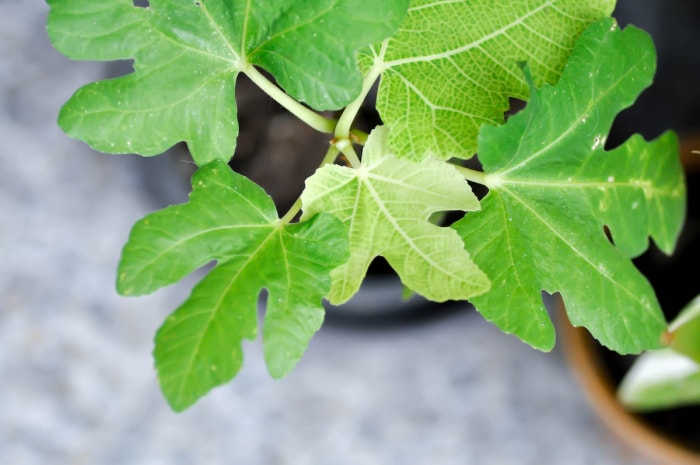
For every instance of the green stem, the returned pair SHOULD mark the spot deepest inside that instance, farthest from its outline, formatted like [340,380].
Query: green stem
[344,126]
[358,136]
[308,116]
[473,175]
[330,157]
[291,213]
[351,155]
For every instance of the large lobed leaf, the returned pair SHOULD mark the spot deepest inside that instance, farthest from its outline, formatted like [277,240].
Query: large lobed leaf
[452,66]
[231,220]
[386,204]
[554,189]
[188,53]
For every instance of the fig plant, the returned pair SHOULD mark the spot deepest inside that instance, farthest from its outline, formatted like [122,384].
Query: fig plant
[563,213]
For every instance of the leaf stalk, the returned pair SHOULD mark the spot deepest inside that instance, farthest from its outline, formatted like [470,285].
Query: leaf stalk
[344,126]
[305,114]
[288,217]
[473,175]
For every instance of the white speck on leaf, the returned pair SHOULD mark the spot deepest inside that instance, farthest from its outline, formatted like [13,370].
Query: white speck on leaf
[597,142]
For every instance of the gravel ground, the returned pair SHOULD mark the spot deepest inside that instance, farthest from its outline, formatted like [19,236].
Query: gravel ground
[76,379]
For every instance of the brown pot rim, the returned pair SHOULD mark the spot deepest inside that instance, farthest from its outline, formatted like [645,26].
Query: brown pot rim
[600,392]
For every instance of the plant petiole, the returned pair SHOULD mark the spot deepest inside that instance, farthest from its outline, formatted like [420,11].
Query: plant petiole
[305,114]
[352,157]
[343,128]
[294,210]
[291,213]
[473,175]
[358,137]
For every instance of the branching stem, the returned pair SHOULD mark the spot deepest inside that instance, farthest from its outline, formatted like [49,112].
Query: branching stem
[345,135]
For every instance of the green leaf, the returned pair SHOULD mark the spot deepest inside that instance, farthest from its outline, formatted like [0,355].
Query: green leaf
[231,220]
[684,331]
[554,189]
[661,379]
[188,53]
[386,204]
[669,377]
[452,66]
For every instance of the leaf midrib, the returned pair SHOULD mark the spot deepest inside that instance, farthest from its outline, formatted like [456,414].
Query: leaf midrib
[406,237]
[533,211]
[471,45]
[146,268]
[592,103]
[217,308]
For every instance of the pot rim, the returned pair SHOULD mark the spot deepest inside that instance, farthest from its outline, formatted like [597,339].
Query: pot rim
[600,393]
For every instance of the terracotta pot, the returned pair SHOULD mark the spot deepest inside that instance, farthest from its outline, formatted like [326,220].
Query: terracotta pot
[586,363]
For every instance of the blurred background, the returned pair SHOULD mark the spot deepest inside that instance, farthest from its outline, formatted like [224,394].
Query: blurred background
[77,384]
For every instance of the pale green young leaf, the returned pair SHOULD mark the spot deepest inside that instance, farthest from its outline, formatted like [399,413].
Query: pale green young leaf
[386,204]
[669,377]
[232,221]
[661,379]
[188,53]
[453,65]
[684,330]
[554,189]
